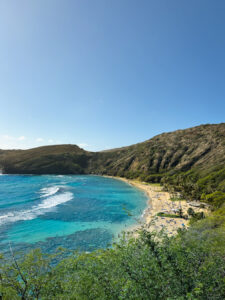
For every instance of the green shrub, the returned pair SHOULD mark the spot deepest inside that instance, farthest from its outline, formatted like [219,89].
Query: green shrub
[161,214]
[187,266]
[215,199]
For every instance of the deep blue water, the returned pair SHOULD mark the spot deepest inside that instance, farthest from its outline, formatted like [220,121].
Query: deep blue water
[75,212]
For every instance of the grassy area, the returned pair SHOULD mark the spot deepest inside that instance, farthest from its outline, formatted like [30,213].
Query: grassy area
[155,184]
[177,199]
[150,183]
[161,214]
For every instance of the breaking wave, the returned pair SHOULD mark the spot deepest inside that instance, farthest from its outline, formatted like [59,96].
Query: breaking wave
[53,197]
[49,191]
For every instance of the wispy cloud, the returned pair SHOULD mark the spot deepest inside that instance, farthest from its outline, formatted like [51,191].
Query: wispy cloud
[21,138]
[12,142]
[39,140]
[7,137]
[12,138]
[22,142]
[83,145]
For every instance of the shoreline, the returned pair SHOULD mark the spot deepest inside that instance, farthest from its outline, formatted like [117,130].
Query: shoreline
[159,201]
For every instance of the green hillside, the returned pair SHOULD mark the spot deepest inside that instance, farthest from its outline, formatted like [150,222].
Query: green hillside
[59,159]
[191,161]
[189,265]
[199,147]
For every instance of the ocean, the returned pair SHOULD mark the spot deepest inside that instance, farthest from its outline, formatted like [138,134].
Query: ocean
[75,212]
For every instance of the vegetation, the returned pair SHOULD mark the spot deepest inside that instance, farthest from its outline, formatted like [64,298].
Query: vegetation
[188,266]
[176,199]
[162,214]
[199,185]
[189,161]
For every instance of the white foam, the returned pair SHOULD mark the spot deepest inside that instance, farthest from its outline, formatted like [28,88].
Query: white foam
[49,191]
[56,200]
[45,206]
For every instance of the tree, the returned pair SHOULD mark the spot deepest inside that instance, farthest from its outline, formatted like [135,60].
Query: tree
[191,212]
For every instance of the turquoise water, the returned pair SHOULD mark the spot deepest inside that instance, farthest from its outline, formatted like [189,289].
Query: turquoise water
[75,212]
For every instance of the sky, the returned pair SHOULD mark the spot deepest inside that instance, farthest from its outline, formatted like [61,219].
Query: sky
[108,73]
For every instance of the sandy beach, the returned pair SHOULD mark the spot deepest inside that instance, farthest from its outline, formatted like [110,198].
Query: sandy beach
[159,201]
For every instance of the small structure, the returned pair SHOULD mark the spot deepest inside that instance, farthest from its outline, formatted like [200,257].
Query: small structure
[195,203]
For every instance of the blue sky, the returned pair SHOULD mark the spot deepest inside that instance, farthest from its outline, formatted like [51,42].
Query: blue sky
[108,73]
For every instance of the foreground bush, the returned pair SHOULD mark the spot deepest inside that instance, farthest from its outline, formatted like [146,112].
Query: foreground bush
[189,266]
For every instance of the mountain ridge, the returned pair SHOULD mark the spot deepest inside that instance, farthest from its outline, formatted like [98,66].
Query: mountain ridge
[177,159]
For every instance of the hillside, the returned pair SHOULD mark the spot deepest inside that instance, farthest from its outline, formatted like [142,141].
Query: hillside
[58,159]
[201,147]
[189,265]
[190,160]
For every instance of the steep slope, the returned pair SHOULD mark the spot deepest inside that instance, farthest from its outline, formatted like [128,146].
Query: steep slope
[191,160]
[202,147]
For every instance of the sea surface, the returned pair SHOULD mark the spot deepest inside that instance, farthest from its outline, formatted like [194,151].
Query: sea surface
[75,212]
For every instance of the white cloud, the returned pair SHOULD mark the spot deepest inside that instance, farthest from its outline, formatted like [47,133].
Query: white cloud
[21,138]
[83,145]
[11,138]
[12,142]
[39,140]
[22,142]
[5,146]
[7,137]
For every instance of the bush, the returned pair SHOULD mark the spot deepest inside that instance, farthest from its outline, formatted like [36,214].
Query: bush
[149,267]
[215,199]
[191,211]
[154,178]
